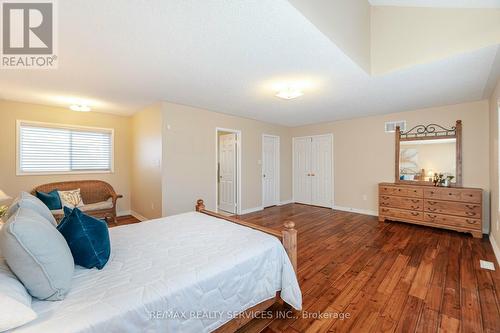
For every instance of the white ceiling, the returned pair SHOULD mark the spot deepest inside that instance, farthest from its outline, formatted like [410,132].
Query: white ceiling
[438,3]
[226,56]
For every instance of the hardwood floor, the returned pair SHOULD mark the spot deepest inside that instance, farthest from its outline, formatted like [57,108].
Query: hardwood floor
[388,277]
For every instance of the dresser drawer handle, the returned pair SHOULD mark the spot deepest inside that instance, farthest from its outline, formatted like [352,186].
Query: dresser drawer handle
[471,221]
[415,200]
[415,207]
[432,209]
[384,210]
[385,204]
[431,216]
[470,206]
[470,213]
[432,192]
[414,213]
[450,193]
[431,202]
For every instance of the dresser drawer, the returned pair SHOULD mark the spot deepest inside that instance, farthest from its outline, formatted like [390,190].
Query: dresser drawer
[453,208]
[453,221]
[452,194]
[403,191]
[401,214]
[401,202]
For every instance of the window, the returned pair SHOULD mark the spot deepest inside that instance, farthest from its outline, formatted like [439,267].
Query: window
[55,149]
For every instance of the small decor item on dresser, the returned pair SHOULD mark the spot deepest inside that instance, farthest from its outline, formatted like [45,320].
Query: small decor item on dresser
[438,179]
[71,199]
[87,238]
[51,199]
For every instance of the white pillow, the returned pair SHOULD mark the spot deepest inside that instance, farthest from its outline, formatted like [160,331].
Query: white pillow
[14,313]
[15,302]
[71,199]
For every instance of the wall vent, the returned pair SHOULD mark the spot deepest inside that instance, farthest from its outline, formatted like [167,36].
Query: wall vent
[390,126]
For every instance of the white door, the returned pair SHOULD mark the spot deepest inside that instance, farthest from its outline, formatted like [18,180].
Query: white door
[301,170]
[227,173]
[270,165]
[313,170]
[321,171]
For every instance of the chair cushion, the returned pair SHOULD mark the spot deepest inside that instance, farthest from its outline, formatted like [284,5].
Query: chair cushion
[15,301]
[26,200]
[51,199]
[87,237]
[89,207]
[71,199]
[37,254]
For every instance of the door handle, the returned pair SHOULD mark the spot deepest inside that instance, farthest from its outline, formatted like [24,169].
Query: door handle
[263,176]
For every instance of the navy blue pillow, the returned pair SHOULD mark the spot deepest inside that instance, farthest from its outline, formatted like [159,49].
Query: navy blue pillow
[87,238]
[51,199]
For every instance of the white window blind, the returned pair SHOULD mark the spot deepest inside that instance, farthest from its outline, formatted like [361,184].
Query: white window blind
[46,148]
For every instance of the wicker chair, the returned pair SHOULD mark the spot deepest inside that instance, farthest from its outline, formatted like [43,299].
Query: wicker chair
[92,192]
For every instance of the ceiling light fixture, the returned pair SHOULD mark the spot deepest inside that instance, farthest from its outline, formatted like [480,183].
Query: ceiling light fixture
[289,93]
[80,108]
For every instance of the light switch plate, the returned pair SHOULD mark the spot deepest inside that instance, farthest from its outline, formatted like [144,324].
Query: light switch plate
[487,265]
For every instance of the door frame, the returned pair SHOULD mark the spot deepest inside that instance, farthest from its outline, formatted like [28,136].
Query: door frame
[277,174]
[238,167]
[333,164]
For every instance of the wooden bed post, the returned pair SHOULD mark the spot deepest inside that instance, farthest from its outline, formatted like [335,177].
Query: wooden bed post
[290,242]
[200,206]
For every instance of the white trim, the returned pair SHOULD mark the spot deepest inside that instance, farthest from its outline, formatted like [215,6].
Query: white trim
[251,210]
[138,216]
[285,202]
[19,122]
[356,210]
[496,249]
[277,191]
[333,165]
[238,167]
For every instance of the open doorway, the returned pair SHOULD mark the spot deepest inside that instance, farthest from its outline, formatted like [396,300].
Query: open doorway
[228,166]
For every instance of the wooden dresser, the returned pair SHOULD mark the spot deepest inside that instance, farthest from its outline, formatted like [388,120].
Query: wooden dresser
[454,208]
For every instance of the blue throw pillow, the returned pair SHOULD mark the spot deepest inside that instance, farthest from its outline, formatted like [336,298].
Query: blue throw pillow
[87,238]
[51,199]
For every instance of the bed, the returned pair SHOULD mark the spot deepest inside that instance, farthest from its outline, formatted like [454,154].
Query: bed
[193,272]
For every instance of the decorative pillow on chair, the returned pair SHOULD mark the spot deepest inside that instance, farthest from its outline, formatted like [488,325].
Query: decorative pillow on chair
[71,199]
[87,237]
[26,200]
[37,254]
[15,301]
[51,199]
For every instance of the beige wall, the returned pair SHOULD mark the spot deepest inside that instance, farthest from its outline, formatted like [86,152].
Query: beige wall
[405,36]
[146,152]
[189,169]
[345,22]
[12,111]
[494,106]
[364,153]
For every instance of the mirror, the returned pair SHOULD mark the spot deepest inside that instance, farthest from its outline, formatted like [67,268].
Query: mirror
[424,151]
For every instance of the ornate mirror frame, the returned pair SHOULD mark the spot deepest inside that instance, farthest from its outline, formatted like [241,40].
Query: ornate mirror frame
[431,132]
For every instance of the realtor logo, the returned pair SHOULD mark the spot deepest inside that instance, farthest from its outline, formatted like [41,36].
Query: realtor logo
[28,34]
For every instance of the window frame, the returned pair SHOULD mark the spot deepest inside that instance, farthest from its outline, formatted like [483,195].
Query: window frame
[20,122]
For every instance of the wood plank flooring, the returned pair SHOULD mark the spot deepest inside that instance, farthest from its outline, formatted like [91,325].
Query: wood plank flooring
[388,277]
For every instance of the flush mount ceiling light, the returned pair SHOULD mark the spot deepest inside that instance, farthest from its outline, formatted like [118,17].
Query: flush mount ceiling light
[80,108]
[289,93]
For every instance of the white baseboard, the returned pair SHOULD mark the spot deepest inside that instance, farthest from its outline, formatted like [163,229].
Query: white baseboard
[496,249]
[138,216]
[356,210]
[285,202]
[251,210]
[124,213]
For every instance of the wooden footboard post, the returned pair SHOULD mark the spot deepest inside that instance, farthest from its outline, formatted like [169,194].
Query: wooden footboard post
[200,205]
[290,242]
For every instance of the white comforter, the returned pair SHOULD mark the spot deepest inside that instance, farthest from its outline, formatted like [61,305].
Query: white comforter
[184,273]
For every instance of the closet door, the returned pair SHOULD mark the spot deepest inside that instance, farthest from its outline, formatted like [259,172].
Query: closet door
[321,171]
[301,170]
